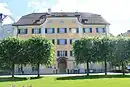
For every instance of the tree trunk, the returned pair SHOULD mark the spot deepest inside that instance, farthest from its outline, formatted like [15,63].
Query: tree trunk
[123,71]
[38,74]
[105,62]
[22,69]
[13,70]
[87,68]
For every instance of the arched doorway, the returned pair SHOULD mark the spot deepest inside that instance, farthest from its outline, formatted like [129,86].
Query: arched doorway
[62,65]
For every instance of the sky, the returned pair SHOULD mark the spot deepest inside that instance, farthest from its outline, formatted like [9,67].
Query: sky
[116,12]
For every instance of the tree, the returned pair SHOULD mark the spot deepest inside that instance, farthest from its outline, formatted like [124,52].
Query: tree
[122,52]
[83,51]
[40,51]
[10,50]
[105,53]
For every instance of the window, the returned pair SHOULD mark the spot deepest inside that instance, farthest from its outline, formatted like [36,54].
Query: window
[49,30]
[87,30]
[61,53]
[62,30]
[36,30]
[62,41]
[34,68]
[22,31]
[71,53]
[100,30]
[74,30]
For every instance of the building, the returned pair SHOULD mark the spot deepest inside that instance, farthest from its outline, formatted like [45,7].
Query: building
[62,28]
[7,30]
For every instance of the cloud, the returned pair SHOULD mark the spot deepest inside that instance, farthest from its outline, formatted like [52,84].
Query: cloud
[6,11]
[114,11]
[40,5]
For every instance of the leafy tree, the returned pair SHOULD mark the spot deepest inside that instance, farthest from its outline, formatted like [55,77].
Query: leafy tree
[122,52]
[10,50]
[83,51]
[40,51]
[105,50]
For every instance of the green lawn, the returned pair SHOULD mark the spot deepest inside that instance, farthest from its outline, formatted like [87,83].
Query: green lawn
[79,81]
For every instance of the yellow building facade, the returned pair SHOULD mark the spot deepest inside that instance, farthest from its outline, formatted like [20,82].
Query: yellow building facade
[62,28]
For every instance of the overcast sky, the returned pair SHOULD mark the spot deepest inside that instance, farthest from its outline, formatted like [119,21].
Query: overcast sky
[116,12]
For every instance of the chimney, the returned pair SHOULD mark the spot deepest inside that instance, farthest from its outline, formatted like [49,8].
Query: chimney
[49,11]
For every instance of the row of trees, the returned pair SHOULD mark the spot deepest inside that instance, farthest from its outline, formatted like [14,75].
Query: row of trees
[112,50]
[34,51]
[38,50]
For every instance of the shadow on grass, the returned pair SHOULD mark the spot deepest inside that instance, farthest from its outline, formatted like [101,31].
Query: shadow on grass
[92,77]
[15,79]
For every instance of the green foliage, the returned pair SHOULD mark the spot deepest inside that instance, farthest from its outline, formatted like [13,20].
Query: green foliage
[10,50]
[36,50]
[113,50]
[40,50]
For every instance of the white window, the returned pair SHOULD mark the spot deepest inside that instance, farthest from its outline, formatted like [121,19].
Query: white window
[62,41]
[36,30]
[49,30]
[62,30]
[22,31]
[73,30]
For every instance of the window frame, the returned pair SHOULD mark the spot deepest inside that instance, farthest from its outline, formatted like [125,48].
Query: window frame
[52,32]
[58,42]
[21,33]
[62,53]
[103,30]
[34,30]
[87,30]
[59,31]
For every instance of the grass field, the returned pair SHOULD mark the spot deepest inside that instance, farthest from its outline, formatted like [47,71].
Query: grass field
[77,81]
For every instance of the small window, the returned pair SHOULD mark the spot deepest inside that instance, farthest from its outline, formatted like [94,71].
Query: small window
[100,30]
[36,30]
[34,68]
[49,30]
[22,31]
[61,53]
[62,41]
[62,30]
[87,30]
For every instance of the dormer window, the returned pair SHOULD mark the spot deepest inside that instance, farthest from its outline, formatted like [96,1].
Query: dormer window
[85,20]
